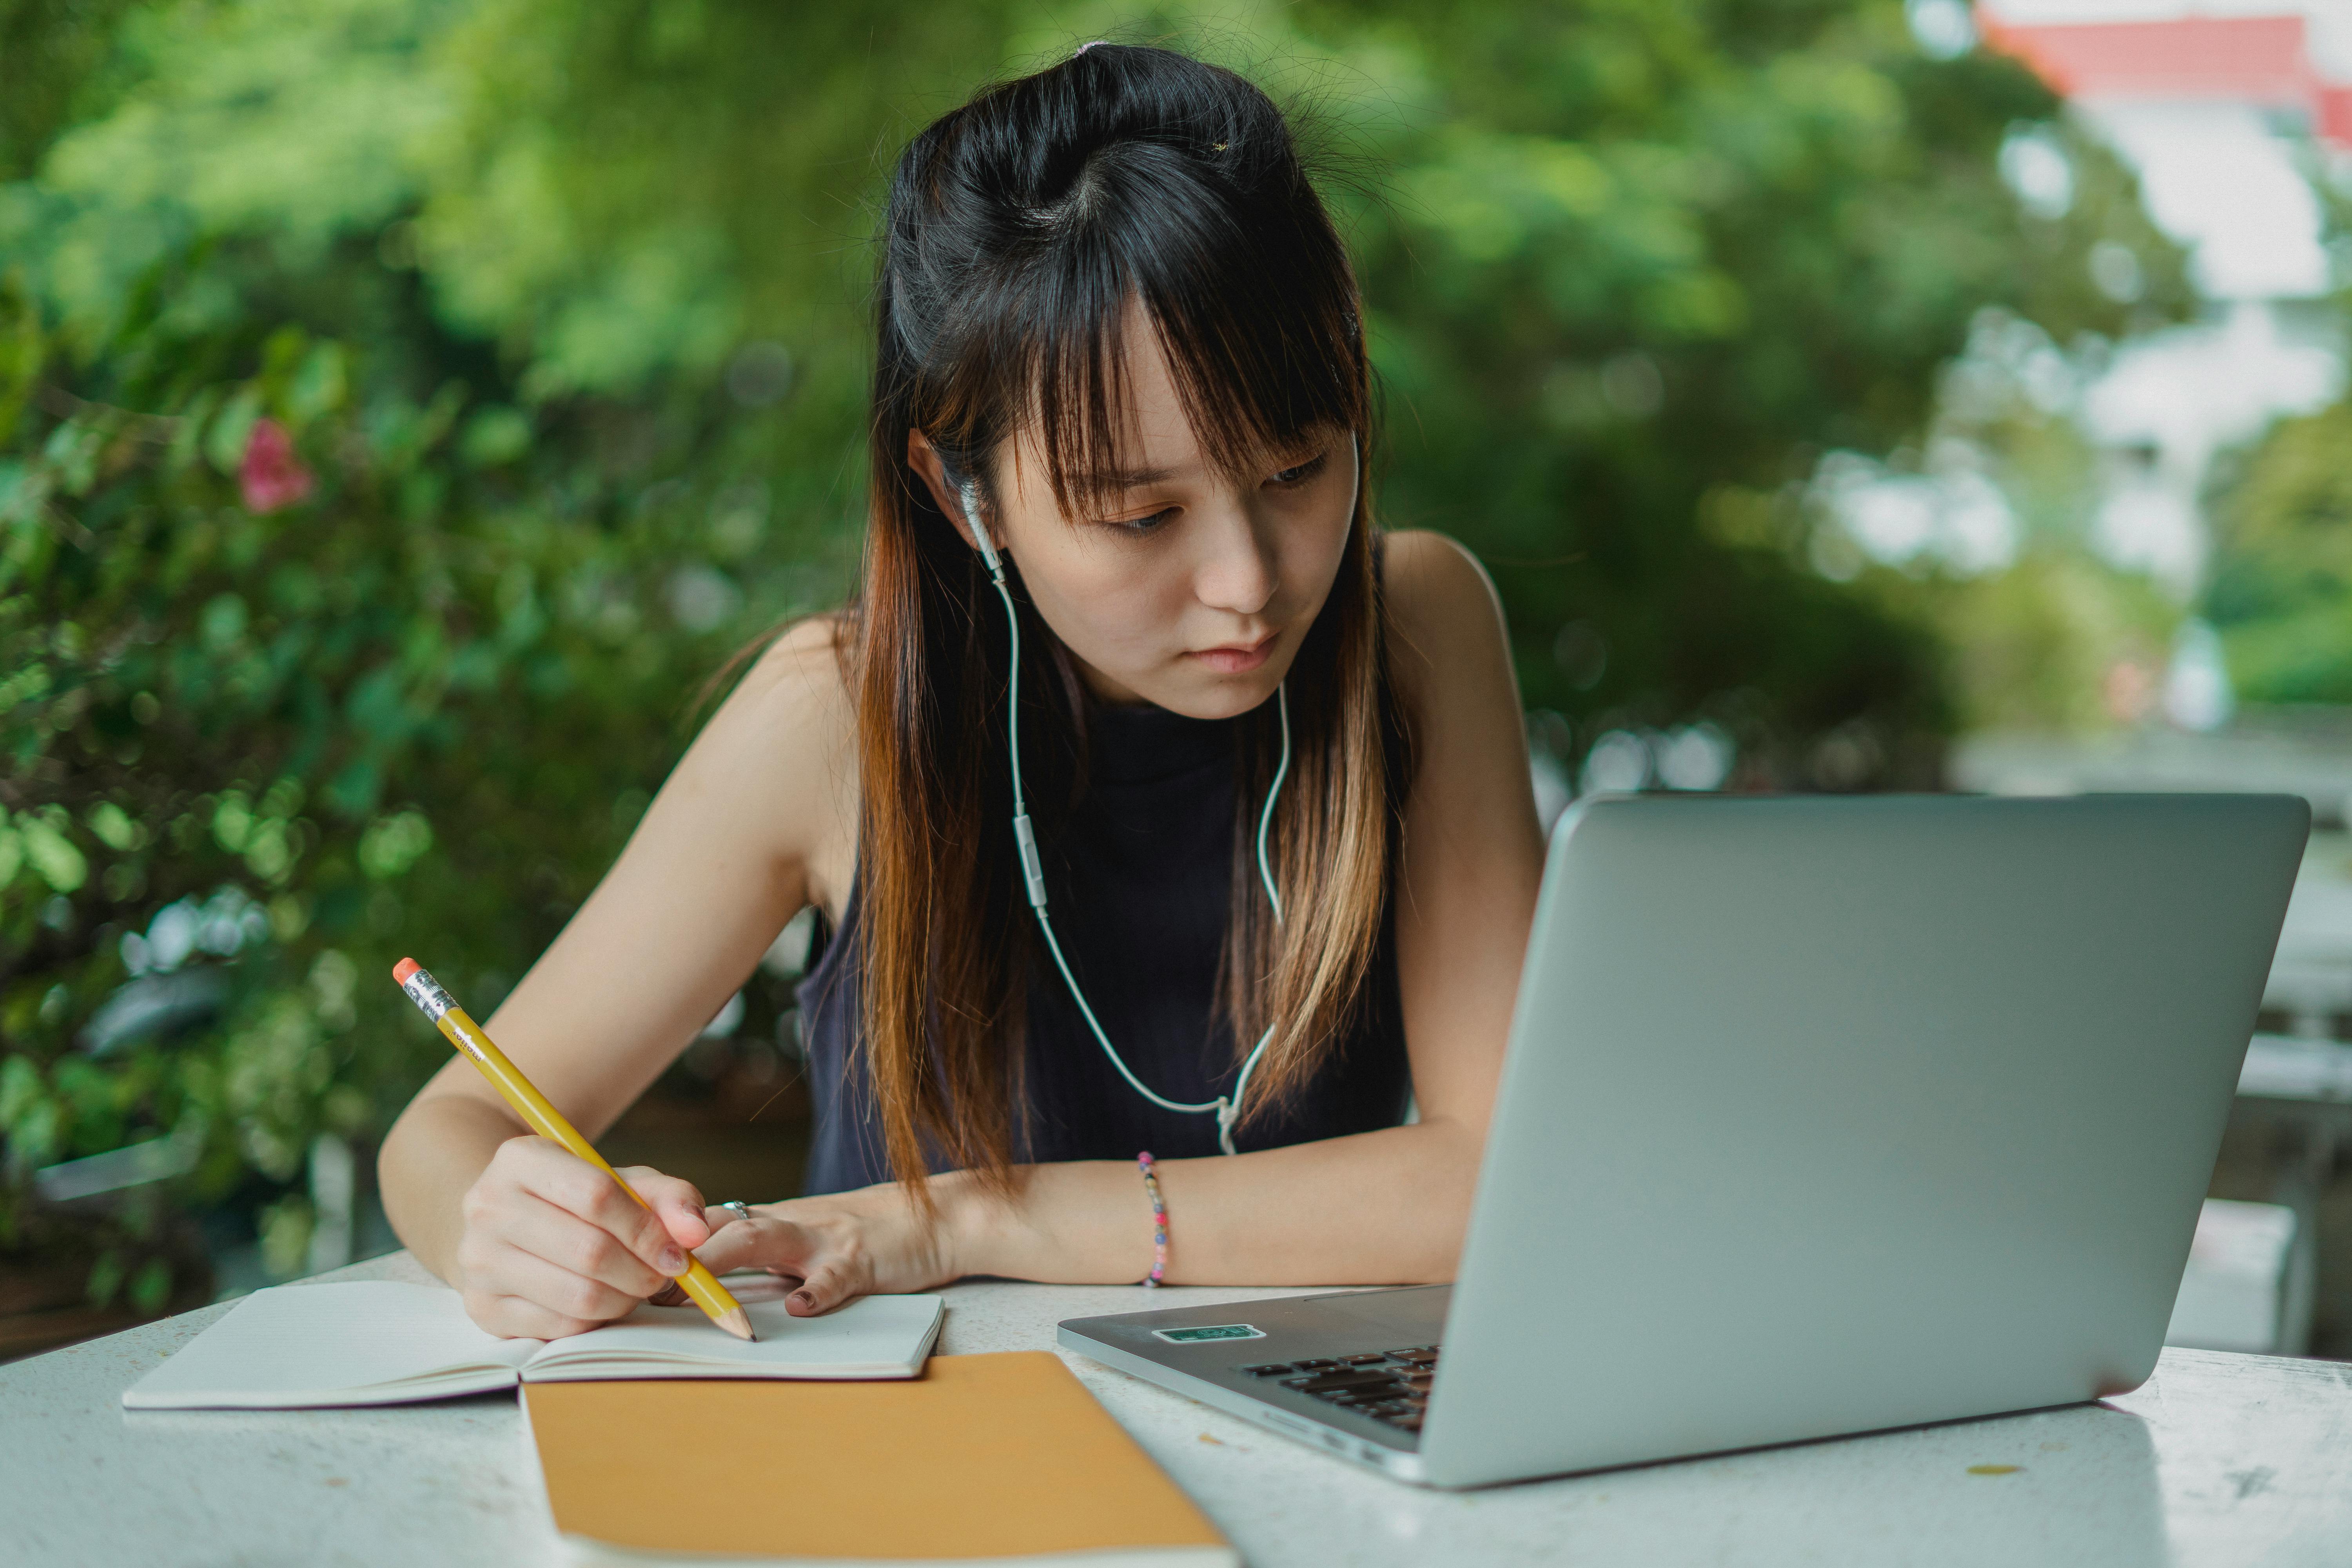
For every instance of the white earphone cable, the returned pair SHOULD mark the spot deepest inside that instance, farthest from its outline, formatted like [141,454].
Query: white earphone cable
[1226,1107]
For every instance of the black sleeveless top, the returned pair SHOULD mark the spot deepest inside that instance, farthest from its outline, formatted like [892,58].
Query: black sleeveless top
[1139,903]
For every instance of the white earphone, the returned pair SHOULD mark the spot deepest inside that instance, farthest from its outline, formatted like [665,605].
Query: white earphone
[1226,1108]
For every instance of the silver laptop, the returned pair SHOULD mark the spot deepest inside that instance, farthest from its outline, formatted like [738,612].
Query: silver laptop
[1819,1117]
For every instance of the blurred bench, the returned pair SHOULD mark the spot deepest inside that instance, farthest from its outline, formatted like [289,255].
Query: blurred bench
[2233,1294]
[2297,1088]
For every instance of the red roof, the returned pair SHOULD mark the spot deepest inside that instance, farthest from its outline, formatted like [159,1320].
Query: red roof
[2238,59]
[2335,117]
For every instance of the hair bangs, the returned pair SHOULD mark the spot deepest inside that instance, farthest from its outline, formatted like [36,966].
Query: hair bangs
[1254,312]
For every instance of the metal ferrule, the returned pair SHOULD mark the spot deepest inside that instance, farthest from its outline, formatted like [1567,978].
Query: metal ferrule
[426,992]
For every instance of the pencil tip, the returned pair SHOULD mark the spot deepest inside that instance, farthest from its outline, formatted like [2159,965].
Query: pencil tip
[737,1322]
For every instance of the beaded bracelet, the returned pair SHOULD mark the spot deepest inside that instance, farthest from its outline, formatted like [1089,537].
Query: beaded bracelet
[1159,1274]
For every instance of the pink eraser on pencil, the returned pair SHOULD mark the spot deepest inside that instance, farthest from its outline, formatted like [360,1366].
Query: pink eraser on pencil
[404,969]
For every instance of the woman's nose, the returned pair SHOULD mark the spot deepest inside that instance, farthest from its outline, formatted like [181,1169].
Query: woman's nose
[1238,571]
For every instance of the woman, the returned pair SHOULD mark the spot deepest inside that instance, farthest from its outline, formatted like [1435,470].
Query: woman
[1272,764]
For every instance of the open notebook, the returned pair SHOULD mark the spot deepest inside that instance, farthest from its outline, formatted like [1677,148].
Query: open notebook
[381,1343]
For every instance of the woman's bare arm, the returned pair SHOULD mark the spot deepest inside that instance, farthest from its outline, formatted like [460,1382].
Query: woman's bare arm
[749,828]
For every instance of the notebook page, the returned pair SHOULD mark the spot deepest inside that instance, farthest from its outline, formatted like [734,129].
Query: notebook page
[875,1336]
[307,1344]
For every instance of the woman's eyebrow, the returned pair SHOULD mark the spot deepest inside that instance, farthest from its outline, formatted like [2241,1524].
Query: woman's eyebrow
[1112,481]
[1109,480]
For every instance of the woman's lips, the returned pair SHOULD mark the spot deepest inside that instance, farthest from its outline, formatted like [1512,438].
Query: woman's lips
[1236,659]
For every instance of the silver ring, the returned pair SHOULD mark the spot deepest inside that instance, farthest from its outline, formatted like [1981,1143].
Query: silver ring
[742,1211]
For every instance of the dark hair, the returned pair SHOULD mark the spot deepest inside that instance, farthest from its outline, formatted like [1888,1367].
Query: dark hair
[1022,229]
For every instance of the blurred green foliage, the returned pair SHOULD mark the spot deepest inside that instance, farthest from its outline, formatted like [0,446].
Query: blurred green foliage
[404,405]
[2056,639]
[2282,587]
[1645,265]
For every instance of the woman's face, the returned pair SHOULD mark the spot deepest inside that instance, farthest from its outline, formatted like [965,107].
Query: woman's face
[1187,589]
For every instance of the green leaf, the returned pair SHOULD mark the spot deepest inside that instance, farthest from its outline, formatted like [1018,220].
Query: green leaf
[226,435]
[222,625]
[494,436]
[37,1135]
[151,1287]
[232,821]
[113,827]
[105,1278]
[319,386]
[53,854]
[20,1090]
[285,1227]
[394,843]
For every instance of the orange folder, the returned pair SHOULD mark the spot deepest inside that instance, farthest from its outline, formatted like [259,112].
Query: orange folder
[1004,1458]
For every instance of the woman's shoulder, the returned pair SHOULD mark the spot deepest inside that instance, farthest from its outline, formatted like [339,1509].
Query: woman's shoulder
[1427,572]
[793,693]
[1445,620]
[783,745]
[801,671]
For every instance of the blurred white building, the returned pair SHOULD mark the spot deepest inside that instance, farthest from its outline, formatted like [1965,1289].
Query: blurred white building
[2233,114]
[2227,110]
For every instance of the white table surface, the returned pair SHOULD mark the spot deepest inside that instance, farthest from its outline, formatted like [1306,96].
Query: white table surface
[2220,1459]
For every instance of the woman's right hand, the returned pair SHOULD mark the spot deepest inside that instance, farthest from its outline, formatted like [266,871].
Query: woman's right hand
[553,1246]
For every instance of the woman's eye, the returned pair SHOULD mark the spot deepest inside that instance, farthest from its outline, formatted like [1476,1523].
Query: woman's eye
[1289,478]
[1299,473]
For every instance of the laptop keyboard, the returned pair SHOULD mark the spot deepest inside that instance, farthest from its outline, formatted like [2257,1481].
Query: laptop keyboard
[1387,1385]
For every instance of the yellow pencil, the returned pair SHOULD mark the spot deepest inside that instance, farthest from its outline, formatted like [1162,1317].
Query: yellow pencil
[548,1122]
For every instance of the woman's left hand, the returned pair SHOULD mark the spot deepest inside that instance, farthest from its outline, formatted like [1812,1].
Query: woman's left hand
[838,1247]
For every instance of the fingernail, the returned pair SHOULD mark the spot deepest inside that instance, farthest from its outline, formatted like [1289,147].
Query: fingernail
[803,1298]
[672,1261]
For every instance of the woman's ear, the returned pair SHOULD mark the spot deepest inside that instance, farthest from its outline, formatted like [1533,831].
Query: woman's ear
[924,459]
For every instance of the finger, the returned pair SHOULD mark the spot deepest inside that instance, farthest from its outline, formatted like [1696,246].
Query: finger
[826,1287]
[578,1246]
[562,1178]
[749,1288]
[562,1292]
[676,1200]
[777,1245]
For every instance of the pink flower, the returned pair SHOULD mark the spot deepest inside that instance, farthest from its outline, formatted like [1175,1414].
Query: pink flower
[271,476]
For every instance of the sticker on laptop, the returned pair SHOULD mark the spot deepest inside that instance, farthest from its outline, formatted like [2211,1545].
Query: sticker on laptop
[1209,1331]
